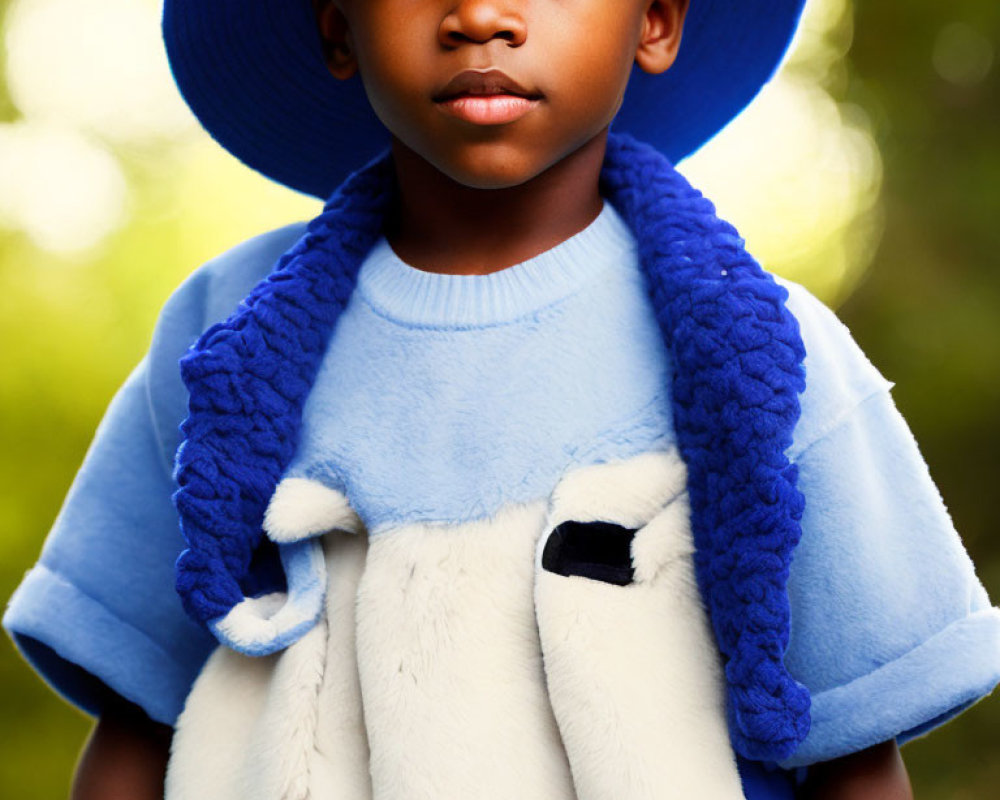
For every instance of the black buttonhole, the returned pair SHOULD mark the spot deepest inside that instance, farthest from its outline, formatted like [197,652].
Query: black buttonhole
[598,550]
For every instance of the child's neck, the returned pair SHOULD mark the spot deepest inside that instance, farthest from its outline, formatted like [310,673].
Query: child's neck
[443,226]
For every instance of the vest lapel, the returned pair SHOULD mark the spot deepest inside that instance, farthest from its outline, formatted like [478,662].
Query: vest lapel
[737,372]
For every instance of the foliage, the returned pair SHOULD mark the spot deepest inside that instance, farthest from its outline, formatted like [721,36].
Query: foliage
[927,313]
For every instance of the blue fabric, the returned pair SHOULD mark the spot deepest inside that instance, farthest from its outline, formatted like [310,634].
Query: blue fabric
[253,74]
[261,634]
[247,379]
[99,609]
[117,519]
[736,360]
[766,782]
[410,343]
[863,639]
[736,356]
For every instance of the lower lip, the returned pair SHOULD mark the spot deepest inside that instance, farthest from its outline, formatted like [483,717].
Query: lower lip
[494,109]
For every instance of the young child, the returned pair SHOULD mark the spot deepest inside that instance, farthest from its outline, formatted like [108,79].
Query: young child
[516,476]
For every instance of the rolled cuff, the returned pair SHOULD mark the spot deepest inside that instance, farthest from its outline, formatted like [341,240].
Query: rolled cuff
[908,696]
[81,649]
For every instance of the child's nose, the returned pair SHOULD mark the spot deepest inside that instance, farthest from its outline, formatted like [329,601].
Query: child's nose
[481,21]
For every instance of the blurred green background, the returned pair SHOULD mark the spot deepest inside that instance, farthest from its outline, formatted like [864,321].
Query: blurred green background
[878,147]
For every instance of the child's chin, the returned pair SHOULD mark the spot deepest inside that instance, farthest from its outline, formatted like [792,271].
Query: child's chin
[493,171]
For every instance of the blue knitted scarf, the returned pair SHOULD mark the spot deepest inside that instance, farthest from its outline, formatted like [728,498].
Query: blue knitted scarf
[736,359]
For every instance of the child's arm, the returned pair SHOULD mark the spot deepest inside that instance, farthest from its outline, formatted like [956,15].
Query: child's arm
[877,773]
[890,627]
[125,757]
[99,611]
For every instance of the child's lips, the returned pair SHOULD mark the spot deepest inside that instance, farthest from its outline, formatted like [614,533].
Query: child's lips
[486,97]
[492,109]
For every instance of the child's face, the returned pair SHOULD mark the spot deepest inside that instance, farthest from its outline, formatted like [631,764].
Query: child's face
[493,92]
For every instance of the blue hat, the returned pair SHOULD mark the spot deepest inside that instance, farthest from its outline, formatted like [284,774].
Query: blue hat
[254,75]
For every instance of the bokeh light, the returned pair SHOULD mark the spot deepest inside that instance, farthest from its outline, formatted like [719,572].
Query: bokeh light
[63,190]
[95,65]
[99,112]
[805,198]
[797,173]
[110,194]
[962,55]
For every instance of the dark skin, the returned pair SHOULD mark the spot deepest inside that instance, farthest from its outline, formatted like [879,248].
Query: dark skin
[475,197]
[496,194]
[877,772]
[125,757]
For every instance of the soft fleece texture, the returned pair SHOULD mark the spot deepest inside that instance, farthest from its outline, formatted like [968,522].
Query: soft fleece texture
[633,672]
[876,538]
[288,726]
[472,658]
[736,355]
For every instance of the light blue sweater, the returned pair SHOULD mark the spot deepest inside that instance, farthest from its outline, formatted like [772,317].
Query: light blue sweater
[442,398]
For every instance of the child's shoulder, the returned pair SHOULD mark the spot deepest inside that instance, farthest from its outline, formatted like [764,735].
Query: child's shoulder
[209,295]
[212,292]
[839,376]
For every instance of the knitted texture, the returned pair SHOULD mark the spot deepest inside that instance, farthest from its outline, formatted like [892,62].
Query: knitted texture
[248,379]
[736,358]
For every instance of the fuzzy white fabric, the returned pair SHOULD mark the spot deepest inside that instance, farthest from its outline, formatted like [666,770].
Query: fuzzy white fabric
[633,673]
[449,665]
[301,508]
[299,511]
[212,734]
[281,727]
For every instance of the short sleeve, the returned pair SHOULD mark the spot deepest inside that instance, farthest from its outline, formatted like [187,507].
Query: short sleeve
[99,611]
[891,630]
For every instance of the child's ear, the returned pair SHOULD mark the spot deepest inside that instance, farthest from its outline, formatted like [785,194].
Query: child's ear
[338,50]
[660,38]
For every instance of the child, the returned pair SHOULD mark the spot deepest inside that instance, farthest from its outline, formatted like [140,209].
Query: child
[493,486]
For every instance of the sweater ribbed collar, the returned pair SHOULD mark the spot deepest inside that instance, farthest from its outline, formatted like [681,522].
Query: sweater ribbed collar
[736,355]
[412,296]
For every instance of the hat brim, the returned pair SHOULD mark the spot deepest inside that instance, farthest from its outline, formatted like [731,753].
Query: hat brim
[253,74]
